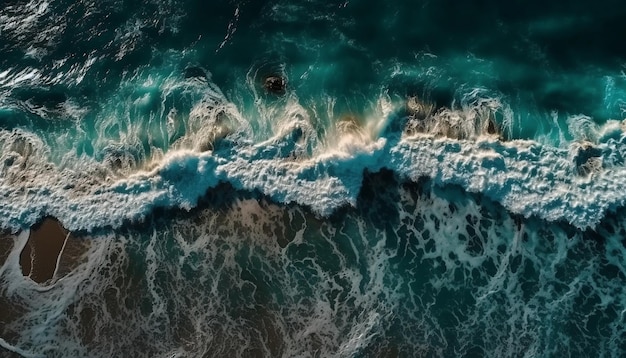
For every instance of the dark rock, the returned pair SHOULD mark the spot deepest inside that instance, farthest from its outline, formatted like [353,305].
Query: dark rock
[195,72]
[491,127]
[275,85]
[587,159]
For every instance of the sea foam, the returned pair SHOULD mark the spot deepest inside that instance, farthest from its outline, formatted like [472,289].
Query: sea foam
[527,177]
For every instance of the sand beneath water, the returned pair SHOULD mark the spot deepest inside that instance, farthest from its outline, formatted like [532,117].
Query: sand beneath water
[41,254]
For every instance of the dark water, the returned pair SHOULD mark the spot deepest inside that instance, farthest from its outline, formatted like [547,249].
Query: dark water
[436,178]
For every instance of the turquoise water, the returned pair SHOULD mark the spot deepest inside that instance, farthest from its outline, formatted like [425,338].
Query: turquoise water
[435,179]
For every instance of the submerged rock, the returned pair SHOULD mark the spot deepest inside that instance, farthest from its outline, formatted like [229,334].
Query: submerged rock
[587,158]
[492,128]
[275,84]
[195,72]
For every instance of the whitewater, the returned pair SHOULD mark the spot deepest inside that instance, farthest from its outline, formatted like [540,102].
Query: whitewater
[277,178]
[525,176]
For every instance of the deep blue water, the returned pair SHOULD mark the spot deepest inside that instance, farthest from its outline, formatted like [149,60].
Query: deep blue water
[435,179]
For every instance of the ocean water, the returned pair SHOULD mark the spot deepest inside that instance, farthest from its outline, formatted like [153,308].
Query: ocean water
[435,179]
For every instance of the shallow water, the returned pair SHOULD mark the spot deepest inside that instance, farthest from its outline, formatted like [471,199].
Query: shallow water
[435,179]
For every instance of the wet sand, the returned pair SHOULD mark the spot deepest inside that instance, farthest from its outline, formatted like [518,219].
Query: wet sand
[6,245]
[8,354]
[41,253]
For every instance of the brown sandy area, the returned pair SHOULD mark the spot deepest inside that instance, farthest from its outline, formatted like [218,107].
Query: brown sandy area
[49,254]
[41,253]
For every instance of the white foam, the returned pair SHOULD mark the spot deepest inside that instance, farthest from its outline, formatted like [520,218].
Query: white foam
[451,275]
[527,177]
